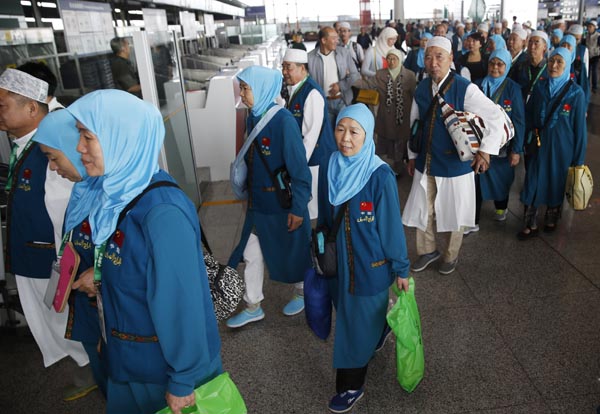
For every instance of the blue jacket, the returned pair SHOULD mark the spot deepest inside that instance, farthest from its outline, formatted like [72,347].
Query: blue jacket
[30,246]
[579,72]
[160,321]
[438,155]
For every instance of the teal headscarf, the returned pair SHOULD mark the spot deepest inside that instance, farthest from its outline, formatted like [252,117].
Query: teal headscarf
[489,84]
[266,85]
[57,130]
[131,133]
[558,33]
[421,51]
[556,84]
[499,42]
[571,41]
[348,175]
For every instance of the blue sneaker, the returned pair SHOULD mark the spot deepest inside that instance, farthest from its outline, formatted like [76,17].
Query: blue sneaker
[386,334]
[344,402]
[294,306]
[245,317]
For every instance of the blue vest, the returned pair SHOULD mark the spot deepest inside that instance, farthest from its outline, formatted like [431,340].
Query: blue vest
[326,143]
[30,236]
[438,156]
[133,350]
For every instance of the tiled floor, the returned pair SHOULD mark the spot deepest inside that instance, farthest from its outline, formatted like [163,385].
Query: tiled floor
[516,329]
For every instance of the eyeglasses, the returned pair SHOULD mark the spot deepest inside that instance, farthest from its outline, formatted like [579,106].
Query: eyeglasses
[498,63]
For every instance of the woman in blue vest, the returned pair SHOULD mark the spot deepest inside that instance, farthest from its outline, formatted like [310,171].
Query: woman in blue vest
[558,134]
[159,332]
[415,60]
[578,69]
[82,323]
[371,250]
[279,235]
[495,183]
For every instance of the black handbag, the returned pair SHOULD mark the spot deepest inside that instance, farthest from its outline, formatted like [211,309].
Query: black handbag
[281,181]
[324,249]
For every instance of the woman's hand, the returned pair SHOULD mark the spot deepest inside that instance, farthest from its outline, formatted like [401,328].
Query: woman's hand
[514,159]
[402,284]
[177,403]
[410,167]
[85,283]
[294,222]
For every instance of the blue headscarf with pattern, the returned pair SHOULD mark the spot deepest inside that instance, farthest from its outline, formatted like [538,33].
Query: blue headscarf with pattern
[348,175]
[265,84]
[131,133]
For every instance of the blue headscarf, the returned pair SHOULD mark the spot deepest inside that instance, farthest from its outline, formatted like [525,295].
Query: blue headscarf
[571,41]
[499,42]
[57,130]
[348,175]
[556,84]
[266,85]
[131,133]
[489,84]
[421,51]
[558,33]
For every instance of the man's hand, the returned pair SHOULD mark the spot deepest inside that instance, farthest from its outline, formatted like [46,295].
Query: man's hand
[410,167]
[481,162]
[294,222]
[334,90]
[514,159]
[85,283]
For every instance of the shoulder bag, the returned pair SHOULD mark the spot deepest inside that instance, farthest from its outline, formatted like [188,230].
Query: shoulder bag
[324,249]
[281,181]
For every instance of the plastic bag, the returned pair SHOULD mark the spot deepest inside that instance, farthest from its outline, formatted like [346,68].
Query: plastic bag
[405,322]
[317,304]
[218,396]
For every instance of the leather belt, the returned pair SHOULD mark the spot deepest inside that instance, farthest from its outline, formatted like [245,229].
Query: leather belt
[333,98]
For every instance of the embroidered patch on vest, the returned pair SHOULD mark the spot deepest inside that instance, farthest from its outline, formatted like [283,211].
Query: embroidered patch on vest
[297,110]
[24,183]
[85,234]
[366,212]
[265,146]
[507,105]
[566,110]
[132,337]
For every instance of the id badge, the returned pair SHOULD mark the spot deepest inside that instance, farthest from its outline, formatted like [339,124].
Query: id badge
[101,314]
[52,284]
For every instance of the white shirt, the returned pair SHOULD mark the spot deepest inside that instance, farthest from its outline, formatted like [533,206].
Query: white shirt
[313,118]
[330,73]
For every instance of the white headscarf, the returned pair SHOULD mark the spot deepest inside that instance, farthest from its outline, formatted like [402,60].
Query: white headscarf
[381,45]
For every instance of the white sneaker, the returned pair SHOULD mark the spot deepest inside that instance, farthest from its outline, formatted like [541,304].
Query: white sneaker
[469,230]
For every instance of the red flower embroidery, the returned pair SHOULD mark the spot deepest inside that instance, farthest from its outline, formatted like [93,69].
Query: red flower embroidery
[366,206]
[297,107]
[119,238]
[85,228]
[567,107]
[266,141]
[27,174]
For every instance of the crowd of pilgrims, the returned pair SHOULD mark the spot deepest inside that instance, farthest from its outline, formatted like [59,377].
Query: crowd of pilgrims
[141,316]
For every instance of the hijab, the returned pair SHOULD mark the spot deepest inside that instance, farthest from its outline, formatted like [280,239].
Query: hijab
[381,45]
[421,52]
[348,175]
[84,192]
[131,133]
[499,42]
[490,84]
[400,56]
[570,39]
[557,33]
[556,84]
[266,86]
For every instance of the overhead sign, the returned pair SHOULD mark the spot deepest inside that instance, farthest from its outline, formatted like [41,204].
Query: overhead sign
[256,12]
[88,26]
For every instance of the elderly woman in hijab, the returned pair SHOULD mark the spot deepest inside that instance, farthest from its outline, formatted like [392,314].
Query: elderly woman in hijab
[277,234]
[371,250]
[63,158]
[555,39]
[375,56]
[396,86]
[495,183]
[557,139]
[159,332]
[499,42]
[415,60]
[578,70]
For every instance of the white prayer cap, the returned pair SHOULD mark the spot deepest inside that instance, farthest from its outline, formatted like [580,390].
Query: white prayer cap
[24,84]
[468,20]
[540,33]
[295,56]
[575,29]
[516,26]
[498,25]
[558,21]
[593,22]
[460,25]
[527,23]
[345,25]
[441,42]
[484,27]
[521,33]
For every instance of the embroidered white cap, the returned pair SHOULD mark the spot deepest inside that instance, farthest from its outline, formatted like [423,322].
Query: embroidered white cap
[521,33]
[484,27]
[468,20]
[345,25]
[24,84]
[540,33]
[441,42]
[295,56]
[593,22]
[575,29]
[516,26]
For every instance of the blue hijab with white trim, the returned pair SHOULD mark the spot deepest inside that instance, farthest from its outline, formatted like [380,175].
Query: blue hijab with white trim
[490,84]
[556,84]
[421,51]
[57,130]
[265,84]
[348,175]
[131,133]
[571,41]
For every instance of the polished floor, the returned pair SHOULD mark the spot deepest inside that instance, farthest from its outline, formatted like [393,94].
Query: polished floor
[515,329]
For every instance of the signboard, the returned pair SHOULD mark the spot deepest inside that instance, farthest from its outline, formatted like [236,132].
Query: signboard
[155,20]
[256,12]
[88,26]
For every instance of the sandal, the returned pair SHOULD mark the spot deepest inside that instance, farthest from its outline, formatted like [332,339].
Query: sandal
[527,233]
[551,219]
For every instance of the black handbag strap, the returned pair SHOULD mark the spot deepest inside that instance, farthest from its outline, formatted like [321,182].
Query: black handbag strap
[337,222]
[264,160]
[555,105]
[133,202]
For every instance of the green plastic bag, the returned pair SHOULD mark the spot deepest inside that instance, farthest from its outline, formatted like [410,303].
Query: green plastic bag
[405,322]
[218,396]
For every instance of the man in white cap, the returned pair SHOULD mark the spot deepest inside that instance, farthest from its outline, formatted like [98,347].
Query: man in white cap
[532,69]
[444,186]
[357,52]
[505,30]
[468,27]
[582,55]
[516,46]
[498,28]
[31,237]
[331,66]
[457,41]
[592,41]
[558,24]
[484,30]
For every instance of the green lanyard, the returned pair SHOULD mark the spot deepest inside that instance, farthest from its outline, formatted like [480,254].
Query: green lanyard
[67,237]
[296,91]
[13,161]
[98,256]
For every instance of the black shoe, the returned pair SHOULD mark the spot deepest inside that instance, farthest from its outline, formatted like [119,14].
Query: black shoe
[522,235]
